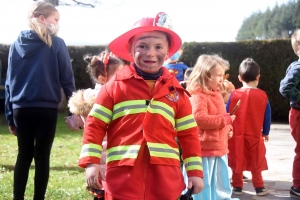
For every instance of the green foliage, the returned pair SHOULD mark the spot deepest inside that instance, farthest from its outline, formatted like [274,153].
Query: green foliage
[272,56]
[67,180]
[82,78]
[277,23]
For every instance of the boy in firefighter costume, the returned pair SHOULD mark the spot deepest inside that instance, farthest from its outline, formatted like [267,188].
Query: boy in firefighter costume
[251,129]
[142,109]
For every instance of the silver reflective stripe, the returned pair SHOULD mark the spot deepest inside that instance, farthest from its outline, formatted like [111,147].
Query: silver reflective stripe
[185,123]
[87,150]
[100,112]
[127,108]
[186,165]
[123,152]
[161,150]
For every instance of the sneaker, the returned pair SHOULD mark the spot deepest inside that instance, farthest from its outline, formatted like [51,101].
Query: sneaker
[295,193]
[237,190]
[246,179]
[261,191]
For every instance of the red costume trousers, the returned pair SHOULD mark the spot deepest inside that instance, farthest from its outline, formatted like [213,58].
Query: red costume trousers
[294,119]
[257,180]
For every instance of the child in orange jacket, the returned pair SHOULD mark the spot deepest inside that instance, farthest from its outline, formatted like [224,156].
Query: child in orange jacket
[213,122]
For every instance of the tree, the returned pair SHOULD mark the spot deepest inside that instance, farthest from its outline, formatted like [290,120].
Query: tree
[277,23]
[296,15]
[84,3]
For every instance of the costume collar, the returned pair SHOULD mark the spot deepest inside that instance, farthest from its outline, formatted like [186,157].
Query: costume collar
[147,76]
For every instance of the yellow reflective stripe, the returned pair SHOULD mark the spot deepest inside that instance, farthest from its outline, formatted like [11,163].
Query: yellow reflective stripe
[185,123]
[163,109]
[94,150]
[163,150]
[121,152]
[129,107]
[193,163]
[102,113]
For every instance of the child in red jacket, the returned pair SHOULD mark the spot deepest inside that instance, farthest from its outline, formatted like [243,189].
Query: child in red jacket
[143,109]
[251,128]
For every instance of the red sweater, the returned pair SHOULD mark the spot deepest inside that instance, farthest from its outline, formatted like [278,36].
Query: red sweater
[213,121]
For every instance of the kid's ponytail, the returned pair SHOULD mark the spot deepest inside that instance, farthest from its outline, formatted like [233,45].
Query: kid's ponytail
[45,9]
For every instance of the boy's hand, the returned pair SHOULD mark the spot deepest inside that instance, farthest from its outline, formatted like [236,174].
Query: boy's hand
[232,118]
[197,182]
[230,133]
[266,138]
[93,172]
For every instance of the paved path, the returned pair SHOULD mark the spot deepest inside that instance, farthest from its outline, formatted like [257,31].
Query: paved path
[280,155]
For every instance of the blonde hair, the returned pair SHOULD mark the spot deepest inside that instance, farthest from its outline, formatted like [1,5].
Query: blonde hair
[37,9]
[201,72]
[295,40]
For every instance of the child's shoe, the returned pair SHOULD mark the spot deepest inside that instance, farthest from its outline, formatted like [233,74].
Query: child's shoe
[246,179]
[261,191]
[237,190]
[295,192]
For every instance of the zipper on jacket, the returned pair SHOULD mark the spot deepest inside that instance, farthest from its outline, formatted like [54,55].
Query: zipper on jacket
[145,173]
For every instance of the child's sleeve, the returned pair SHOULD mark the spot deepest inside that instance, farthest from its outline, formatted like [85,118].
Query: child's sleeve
[187,134]
[8,104]
[267,120]
[95,129]
[204,119]
[228,103]
[288,85]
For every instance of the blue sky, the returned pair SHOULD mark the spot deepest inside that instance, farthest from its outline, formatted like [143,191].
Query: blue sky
[193,20]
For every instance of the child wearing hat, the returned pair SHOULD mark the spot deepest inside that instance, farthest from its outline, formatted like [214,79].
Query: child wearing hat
[175,67]
[142,109]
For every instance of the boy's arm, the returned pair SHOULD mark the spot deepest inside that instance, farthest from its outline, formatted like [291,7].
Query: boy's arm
[228,104]
[95,129]
[267,120]
[187,134]
[288,85]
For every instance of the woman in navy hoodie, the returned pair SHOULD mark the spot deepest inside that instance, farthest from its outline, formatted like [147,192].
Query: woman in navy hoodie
[38,67]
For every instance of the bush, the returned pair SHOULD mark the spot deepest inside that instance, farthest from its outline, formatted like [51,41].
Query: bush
[273,56]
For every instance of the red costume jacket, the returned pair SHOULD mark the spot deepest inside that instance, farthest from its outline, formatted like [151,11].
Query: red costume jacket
[141,127]
[246,148]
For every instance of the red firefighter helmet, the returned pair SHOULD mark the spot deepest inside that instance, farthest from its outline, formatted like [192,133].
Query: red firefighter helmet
[161,22]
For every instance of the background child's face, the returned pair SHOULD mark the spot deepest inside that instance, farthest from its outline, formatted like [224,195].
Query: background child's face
[216,78]
[150,50]
[51,19]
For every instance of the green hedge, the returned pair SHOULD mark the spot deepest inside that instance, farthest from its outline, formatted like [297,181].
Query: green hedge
[272,56]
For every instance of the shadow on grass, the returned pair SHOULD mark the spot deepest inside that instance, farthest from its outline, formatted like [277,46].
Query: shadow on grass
[78,169]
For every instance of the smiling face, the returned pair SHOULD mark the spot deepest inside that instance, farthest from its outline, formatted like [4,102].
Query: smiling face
[150,50]
[216,77]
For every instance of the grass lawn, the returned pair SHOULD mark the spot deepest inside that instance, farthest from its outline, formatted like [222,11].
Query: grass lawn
[67,180]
